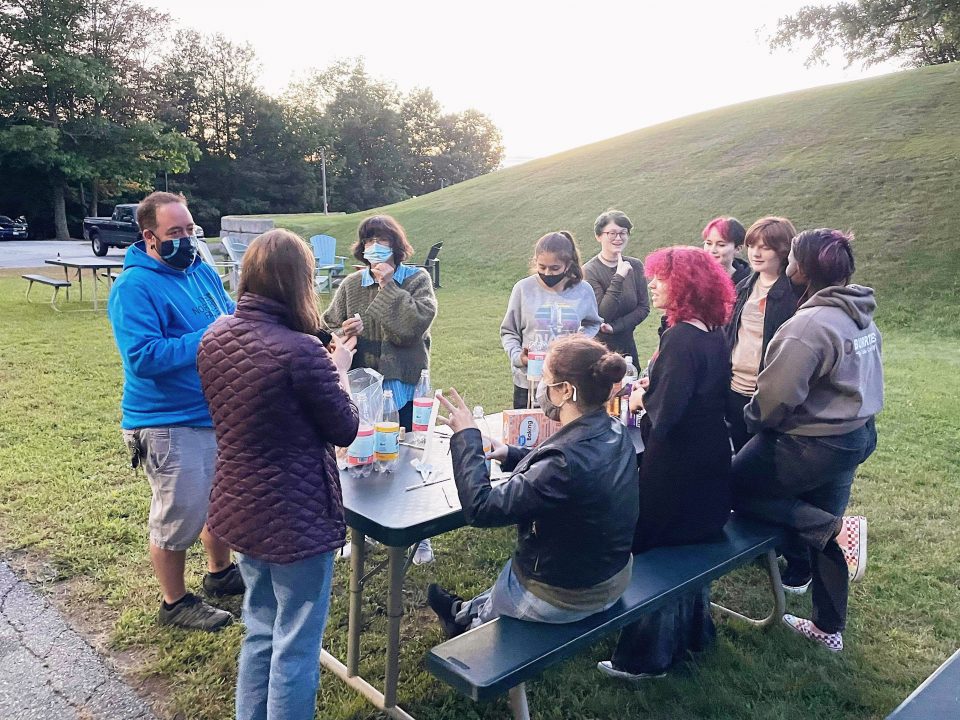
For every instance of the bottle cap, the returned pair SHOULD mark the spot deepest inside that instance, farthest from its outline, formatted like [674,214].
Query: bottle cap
[478,411]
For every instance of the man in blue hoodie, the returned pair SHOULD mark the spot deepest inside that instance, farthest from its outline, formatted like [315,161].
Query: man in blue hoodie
[160,307]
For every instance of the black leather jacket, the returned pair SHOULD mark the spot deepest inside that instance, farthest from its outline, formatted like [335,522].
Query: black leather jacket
[575,500]
[781,305]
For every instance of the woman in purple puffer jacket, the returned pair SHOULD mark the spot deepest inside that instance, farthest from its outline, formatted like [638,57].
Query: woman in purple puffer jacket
[279,403]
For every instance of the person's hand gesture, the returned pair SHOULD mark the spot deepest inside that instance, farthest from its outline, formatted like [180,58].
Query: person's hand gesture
[606,328]
[524,357]
[342,355]
[623,267]
[459,416]
[382,273]
[498,450]
[352,326]
[636,397]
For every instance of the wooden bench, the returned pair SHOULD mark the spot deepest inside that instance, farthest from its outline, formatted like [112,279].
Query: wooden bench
[501,655]
[44,280]
[937,697]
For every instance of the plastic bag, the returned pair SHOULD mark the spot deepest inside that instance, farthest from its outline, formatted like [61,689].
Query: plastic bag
[366,389]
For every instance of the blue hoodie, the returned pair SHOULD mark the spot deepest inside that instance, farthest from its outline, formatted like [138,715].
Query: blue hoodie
[159,315]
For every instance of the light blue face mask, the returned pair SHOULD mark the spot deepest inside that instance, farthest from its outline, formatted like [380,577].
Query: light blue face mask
[378,253]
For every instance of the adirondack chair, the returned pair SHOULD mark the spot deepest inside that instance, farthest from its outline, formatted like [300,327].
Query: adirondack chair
[330,267]
[235,250]
[226,270]
[432,263]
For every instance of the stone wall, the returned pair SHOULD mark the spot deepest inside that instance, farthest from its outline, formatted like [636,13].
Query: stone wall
[244,228]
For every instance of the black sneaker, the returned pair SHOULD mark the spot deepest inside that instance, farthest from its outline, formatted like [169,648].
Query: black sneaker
[230,584]
[192,613]
[441,602]
[795,584]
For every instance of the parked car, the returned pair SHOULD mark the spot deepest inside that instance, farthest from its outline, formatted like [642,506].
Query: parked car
[13,229]
[119,230]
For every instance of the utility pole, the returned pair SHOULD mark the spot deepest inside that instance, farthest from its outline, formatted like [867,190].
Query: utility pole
[323,175]
[166,185]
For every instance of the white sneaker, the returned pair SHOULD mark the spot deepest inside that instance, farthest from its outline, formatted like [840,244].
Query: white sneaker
[608,669]
[345,552]
[424,553]
[855,548]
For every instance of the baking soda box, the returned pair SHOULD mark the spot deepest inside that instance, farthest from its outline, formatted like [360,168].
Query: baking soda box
[527,428]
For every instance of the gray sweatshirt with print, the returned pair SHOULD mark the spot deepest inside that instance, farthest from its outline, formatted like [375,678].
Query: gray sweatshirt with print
[535,310]
[822,373]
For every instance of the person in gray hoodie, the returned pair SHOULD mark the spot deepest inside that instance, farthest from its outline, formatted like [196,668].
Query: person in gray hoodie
[813,412]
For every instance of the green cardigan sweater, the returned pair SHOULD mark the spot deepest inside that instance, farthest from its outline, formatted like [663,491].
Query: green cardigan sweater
[396,323]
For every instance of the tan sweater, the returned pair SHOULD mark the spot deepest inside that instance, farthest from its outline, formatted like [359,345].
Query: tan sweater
[396,323]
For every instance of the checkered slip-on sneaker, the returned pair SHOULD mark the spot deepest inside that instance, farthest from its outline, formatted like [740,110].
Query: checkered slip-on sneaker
[831,641]
[855,548]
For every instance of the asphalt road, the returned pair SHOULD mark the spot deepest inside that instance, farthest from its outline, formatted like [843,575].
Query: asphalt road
[48,671]
[33,253]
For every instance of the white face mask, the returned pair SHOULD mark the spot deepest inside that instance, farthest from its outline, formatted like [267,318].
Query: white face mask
[551,410]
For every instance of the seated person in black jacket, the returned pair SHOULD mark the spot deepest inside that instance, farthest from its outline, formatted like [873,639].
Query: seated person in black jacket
[574,499]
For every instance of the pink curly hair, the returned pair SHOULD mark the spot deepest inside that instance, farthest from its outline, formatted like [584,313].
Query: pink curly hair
[699,289]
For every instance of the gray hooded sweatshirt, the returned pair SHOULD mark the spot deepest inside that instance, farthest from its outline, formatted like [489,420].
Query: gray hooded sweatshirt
[822,370]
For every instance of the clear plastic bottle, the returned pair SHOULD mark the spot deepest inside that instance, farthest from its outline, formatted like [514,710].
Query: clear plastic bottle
[484,434]
[362,453]
[630,378]
[536,354]
[422,406]
[388,435]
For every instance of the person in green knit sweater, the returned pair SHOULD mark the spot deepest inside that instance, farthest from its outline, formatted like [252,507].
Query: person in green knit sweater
[389,307]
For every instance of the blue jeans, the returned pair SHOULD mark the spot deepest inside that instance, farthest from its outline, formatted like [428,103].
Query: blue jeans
[803,483]
[508,598]
[285,610]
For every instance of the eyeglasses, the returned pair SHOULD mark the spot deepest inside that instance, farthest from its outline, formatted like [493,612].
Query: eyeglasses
[612,234]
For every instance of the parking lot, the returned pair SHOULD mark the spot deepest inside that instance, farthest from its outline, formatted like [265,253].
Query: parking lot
[33,253]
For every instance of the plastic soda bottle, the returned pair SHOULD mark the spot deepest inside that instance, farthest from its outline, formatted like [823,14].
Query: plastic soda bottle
[360,454]
[536,354]
[484,435]
[422,405]
[387,438]
[630,377]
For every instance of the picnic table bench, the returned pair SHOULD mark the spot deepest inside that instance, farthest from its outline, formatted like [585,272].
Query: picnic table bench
[501,655]
[52,282]
[937,697]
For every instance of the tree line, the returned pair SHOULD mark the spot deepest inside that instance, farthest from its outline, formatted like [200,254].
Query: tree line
[105,100]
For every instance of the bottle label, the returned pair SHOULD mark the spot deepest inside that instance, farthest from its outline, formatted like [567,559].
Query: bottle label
[535,360]
[421,413]
[388,441]
[361,450]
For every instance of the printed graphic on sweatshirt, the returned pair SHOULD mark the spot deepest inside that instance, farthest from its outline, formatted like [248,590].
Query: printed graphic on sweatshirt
[862,345]
[207,307]
[556,319]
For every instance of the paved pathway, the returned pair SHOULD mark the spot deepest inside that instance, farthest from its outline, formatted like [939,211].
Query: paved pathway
[32,253]
[48,671]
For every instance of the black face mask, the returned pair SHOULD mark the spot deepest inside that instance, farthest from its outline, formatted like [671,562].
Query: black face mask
[179,253]
[552,280]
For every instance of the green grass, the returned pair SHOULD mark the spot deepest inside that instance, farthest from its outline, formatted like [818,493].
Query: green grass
[881,156]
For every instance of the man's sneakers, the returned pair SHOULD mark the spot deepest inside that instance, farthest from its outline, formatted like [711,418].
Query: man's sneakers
[226,582]
[445,604]
[852,540]
[794,583]
[610,670]
[831,641]
[424,553]
[192,613]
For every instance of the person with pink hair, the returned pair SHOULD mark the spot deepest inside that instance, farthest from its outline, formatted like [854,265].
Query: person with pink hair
[685,494]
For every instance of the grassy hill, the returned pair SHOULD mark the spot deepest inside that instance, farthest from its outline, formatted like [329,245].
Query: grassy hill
[880,157]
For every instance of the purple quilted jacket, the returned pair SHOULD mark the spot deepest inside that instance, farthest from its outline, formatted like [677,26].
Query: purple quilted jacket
[278,410]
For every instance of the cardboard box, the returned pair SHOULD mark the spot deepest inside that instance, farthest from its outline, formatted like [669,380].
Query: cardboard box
[527,428]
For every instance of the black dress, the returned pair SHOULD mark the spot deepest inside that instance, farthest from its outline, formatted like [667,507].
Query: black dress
[685,494]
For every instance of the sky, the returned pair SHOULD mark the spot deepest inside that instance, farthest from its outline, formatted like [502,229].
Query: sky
[552,76]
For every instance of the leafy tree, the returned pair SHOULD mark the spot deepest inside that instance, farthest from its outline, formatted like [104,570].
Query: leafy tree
[918,32]
[62,80]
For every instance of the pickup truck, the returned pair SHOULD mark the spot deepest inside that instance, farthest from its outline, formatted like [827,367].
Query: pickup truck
[118,230]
